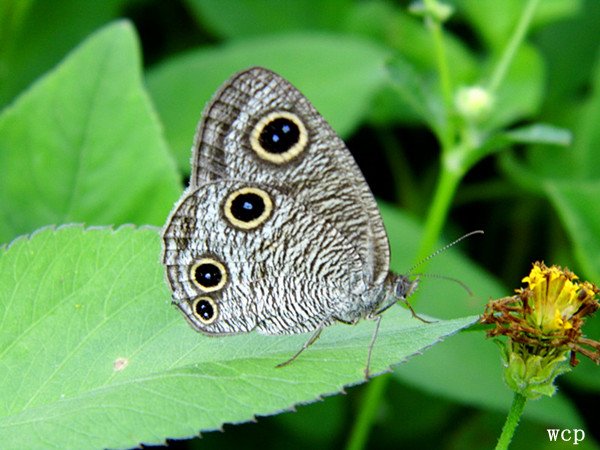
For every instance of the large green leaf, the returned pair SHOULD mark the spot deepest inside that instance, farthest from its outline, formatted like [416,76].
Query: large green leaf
[93,355]
[339,74]
[83,144]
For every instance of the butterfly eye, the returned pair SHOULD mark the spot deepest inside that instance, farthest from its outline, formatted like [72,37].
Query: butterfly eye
[279,137]
[205,309]
[208,274]
[248,208]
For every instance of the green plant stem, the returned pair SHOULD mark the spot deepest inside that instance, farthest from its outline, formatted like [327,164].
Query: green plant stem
[443,70]
[440,52]
[512,420]
[366,416]
[512,47]
[438,211]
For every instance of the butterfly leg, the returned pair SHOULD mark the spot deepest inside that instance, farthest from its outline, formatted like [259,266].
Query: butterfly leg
[391,302]
[414,314]
[307,344]
[377,319]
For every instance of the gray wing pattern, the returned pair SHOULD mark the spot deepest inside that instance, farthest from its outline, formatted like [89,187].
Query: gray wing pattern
[291,275]
[325,179]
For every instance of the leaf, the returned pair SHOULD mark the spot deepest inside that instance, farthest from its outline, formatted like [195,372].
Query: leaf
[84,145]
[415,65]
[466,368]
[229,18]
[576,163]
[93,355]
[34,36]
[540,133]
[582,159]
[339,74]
[586,145]
[521,93]
[564,85]
[393,25]
[506,14]
[579,210]
[537,133]
[424,100]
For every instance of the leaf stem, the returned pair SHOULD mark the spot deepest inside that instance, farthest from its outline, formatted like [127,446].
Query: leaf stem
[512,47]
[512,420]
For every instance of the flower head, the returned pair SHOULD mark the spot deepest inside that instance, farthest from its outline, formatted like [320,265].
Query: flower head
[474,102]
[556,299]
[543,323]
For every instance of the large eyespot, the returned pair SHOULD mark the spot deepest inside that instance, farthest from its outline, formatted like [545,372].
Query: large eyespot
[208,274]
[205,309]
[279,137]
[248,207]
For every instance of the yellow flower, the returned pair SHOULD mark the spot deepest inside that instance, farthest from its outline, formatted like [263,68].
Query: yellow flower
[554,296]
[543,323]
[559,322]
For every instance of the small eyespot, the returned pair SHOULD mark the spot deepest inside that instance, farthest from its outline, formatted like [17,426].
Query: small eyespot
[248,207]
[205,309]
[279,137]
[208,274]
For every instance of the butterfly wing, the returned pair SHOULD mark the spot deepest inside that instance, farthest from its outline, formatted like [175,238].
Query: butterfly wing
[259,128]
[243,256]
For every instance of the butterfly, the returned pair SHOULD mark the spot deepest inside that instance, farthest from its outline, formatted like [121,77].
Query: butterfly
[278,231]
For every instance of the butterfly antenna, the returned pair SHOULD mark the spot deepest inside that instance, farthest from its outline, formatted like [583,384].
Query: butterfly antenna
[444,248]
[443,277]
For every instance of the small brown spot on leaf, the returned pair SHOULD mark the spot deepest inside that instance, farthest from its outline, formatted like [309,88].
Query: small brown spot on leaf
[120,364]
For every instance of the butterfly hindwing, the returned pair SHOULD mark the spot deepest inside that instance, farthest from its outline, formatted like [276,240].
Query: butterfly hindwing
[286,271]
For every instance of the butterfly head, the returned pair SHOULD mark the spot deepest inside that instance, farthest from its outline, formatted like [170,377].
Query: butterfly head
[404,286]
